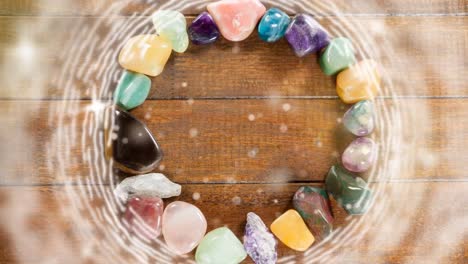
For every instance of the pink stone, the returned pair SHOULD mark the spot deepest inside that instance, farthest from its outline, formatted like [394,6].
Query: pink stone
[236,19]
[143,215]
[184,226]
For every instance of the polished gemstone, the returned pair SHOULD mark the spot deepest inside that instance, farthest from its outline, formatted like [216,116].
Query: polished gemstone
[292,231]
[259,243]
[236,19]
[149,185]
[359,119]
[349,191]
[273,25]
[130,143]
[132,90]
[173,26]
[203,30]
[183,227]
[338,56]
[220,246]
[146,54]
[359,82]
[143,216]
[360,155]
[314,207]
[306,35]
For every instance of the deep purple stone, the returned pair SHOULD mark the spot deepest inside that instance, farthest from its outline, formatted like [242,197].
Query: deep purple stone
[203,30]
[306,35]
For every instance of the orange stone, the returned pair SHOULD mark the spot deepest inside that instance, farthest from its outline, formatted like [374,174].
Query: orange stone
[290,229]
[146,54]
[359,82]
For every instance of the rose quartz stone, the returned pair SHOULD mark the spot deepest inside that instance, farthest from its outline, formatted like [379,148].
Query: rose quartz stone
[143,215]
[236,19]
[184,226]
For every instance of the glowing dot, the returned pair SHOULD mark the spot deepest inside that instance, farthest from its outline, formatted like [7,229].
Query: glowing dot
[193,132]
[184,84]
[275,201]
[319,143]
[190,101]
[162,167]
[140,134]
[205,180]
[283,128]
[251,117]
[147,116]
[196,196]
[236,200]
[236,49]
[286,107]
[125,140]
[339,120]
[253,153]
[114,136]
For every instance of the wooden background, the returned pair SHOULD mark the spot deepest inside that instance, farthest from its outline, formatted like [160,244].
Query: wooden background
[236,164]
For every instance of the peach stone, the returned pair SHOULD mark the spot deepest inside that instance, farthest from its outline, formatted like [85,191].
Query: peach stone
[146,54]
[236,19]
[292,231]
[183,227]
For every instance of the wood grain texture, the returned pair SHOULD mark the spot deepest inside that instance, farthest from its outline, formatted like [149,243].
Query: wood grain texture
[422,56]
[95,7]
[215,141]
[408,230]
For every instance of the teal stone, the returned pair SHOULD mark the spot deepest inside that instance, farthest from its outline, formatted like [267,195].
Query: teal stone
[132,90]
[173,25]
[273,25]
[359,119]
[349,191]
[220,246]
[338,56]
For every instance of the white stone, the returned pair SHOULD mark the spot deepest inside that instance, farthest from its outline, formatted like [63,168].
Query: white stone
[152,184]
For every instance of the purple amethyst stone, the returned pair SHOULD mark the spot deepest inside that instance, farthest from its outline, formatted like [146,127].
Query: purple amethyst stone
[360,155]
[259,243]
[306,35]
[203,30]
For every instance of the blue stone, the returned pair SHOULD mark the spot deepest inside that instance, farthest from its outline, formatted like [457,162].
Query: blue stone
[273,25]
[203,30]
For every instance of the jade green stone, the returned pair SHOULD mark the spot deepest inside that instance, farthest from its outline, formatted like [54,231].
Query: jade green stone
[338,56]
[220,246]
[349,191]
[132,90]
[172,24]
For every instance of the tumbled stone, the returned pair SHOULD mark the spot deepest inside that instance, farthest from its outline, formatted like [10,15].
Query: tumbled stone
[236,19]
[143,216]
[132,90]
[183,227]
[220,246]
[146,54]
[359,119]
[338,56]
[130,143]
[314,207]
[259,243]
[150,185]
[203,30]
[360,155]
[173,26]
[305,35]
[359,82]
[273,25]
[349,191]
[290,229]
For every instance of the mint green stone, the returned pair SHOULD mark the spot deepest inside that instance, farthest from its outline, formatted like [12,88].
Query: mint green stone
[172,24]
[220,246]
[338,56]
[349,191]
[132,90]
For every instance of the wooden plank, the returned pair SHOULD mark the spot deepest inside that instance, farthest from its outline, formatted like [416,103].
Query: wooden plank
[62,221]
[216,141]
[428,51]
[91,7]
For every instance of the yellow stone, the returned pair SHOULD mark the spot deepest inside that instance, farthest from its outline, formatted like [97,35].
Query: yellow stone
[359,82]
[292,231]
[146,54]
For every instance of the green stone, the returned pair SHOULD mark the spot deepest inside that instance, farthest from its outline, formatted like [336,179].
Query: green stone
[349,191]
[132,90]
[338,56]
[220,246]
[172,24]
